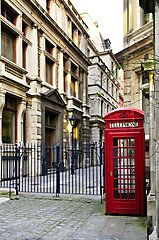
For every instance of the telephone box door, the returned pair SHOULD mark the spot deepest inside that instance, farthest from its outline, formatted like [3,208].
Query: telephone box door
[124,172]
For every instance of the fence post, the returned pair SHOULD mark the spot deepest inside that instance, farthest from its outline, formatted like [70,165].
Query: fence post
[104,167]
[16,177]
[0,165]
[101,171]
[57,170]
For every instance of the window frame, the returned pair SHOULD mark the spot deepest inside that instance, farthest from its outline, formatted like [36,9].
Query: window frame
[49,60]
[8,13]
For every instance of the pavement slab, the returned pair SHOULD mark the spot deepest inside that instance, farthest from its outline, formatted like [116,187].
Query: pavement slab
[69,217]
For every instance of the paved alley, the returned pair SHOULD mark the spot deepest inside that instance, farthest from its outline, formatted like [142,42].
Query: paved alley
[39,217]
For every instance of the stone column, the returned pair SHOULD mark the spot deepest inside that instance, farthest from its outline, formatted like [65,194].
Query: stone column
[28,122]
[19,48]
[69,79]
[85,108]
[77,85]
[21,109]
[33,63]
[85,88]
[42,59]
[60,72]
[156,86]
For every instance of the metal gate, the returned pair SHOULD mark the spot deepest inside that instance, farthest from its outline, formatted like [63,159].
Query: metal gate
[53,169]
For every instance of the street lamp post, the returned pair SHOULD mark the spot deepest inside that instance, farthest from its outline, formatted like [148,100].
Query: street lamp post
[73,122]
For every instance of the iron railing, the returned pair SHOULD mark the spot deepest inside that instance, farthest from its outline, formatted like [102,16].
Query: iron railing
[53,169]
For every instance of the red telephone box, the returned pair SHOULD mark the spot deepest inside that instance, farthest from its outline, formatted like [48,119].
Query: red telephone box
[125,162]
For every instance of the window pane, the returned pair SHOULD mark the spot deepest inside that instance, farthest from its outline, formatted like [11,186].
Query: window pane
[116,142]
[123,173]
[10,17]
[24,54]
[131,152]
[10,47]
[73,87]
[124,183]
[132,173]
[132,182]
[48,72]
[116,163]
[116,183]
[8,127]
[117,194]
[123,152]
[3,43]
[130,142]
[116,152]
[3,11]
[123,142]
[10,103]
[116,173]
[123,162]
[131,162]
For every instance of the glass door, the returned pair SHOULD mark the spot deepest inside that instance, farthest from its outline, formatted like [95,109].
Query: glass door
[123,174]
[124,168]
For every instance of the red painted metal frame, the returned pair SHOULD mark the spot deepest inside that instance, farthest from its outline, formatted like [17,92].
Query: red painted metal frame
[123,206]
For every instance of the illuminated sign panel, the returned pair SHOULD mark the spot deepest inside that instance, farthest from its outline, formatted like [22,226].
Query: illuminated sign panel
[124,125]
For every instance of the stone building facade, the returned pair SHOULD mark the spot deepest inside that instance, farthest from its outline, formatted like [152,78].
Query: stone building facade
[43,72]
[137,61]
[103,92]
[103,79]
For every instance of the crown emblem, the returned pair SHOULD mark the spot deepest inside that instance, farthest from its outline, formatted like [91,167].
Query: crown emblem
[123,115]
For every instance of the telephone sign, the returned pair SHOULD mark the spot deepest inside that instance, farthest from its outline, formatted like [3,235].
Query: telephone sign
[123,124]
[125,162]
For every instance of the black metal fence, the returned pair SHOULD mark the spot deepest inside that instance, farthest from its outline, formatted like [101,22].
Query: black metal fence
[53,169]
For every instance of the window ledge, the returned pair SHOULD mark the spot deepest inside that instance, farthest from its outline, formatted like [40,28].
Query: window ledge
[48,55]
[13,65]
[74,99]
[10,25]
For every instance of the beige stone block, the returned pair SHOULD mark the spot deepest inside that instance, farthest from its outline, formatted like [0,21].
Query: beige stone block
[127,74]
[33,131]
[39,131]
[34,119]
[39,106]
[127,90]
[38,119]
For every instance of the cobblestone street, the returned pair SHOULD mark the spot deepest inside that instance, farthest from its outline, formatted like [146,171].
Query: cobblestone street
[33,217]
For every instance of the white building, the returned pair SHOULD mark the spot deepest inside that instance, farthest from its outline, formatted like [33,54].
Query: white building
[103,76]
